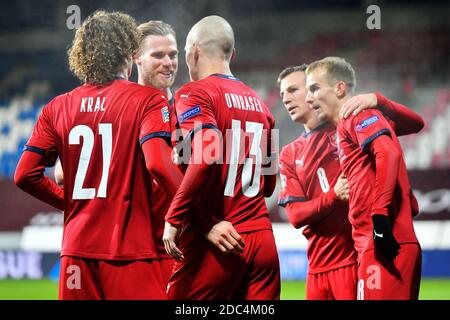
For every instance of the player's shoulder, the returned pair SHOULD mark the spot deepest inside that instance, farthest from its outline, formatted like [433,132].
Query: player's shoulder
[364,118]
[143,96]
[193,87]
[58,100]
[193,93]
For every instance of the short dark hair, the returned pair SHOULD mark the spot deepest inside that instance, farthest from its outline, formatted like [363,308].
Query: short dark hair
[291,69]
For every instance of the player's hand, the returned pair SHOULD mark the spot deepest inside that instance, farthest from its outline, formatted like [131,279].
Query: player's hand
[170,241]
[341,188]
[383,238]
[223,236]
[358,103]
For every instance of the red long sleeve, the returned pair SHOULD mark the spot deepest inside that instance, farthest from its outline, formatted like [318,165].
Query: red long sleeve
[307,212]
[387,160]
[158,155]
[406,121]
[30,178]
[195,177]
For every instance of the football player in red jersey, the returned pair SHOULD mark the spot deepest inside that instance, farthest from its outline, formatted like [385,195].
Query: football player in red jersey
[157,65]
[309,168]
[381,201]
[218,107]
[109,134]
[315,195]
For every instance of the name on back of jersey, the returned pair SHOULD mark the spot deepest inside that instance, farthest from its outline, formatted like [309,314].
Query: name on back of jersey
[91,104]
[243,102]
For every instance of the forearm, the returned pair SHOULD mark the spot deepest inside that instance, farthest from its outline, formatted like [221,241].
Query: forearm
[311,211]
[387,161]
[196,177]
[406,121]
[30,178]
[185,199]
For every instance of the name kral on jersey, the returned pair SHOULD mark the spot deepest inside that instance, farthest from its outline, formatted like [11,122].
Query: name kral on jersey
[91,104]
[241,102]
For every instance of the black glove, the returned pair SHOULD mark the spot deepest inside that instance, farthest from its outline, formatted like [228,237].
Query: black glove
[383,238]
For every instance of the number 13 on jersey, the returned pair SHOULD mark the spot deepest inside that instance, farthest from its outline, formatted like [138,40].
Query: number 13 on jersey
[250,182]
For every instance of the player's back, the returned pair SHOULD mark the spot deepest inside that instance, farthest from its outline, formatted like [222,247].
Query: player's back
[245,124]
[106,185]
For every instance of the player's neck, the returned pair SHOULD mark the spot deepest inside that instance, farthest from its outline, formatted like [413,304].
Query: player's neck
[336,118]
[125,73]
[141,79]
[122,75]
[212,66]
[312,123]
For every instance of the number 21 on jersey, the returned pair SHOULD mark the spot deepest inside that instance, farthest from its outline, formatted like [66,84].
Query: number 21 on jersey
[105,130]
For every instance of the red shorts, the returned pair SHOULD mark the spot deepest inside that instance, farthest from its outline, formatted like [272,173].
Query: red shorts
[208,274]
[337,284]
[92,279]
[380,279]
[166,268]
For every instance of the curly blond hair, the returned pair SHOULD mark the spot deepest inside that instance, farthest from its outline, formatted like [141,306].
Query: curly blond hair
[102,46]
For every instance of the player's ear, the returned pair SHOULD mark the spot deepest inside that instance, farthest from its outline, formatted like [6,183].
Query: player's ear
[341,89]
[196,53]
[137,58]
[233,54]
[129,67]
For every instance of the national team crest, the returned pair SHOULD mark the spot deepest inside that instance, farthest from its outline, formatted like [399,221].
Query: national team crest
[165,114]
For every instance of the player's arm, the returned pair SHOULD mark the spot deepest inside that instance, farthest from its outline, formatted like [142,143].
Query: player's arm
[303,212]
[158,154]
[197,175]
[404,119]
[193,108]
[372,132]
[387,161]
[29,177]
[39,153]
[300,210]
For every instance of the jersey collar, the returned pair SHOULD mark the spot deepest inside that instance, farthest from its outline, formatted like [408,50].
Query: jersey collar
[318,128]
[225,76]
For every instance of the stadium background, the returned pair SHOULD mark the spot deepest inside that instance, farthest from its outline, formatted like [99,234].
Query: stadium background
[407,59]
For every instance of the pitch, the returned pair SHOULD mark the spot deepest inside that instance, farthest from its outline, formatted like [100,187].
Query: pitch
[430,289]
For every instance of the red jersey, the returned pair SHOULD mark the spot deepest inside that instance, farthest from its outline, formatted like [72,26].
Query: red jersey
[160,200]
[235,192]
[97,131]
[309,169]
[355,135]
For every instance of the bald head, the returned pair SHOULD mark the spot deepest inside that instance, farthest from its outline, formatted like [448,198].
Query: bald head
[214,35]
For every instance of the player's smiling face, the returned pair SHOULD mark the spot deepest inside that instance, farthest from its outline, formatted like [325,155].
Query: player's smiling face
[158,61]
[293,93]
[321,95]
